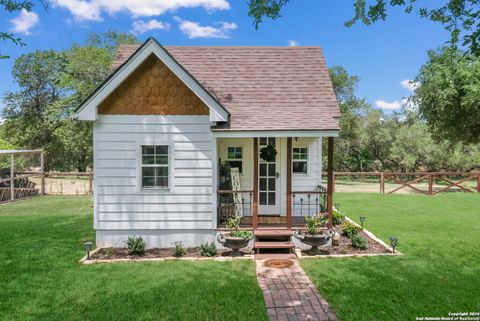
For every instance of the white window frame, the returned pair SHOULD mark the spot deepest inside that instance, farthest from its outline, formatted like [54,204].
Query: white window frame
[304,161]
[171,182]
[236,159]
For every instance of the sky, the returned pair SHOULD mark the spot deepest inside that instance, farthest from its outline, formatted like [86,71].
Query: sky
[386,55]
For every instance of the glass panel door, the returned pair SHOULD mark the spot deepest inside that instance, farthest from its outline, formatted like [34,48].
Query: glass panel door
[268,180]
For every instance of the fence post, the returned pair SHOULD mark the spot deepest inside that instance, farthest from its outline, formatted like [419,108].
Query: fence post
[478,182]
[382,183]
[42,168]
[430,184]
[90,183]
[12,179]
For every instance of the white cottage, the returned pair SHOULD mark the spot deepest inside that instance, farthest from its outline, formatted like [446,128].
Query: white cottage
[171,122]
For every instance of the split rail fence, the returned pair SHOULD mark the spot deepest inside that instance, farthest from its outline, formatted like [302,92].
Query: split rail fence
[434,182]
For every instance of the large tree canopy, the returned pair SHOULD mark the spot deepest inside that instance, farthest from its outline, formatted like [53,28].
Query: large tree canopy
[459,17]
[448,95]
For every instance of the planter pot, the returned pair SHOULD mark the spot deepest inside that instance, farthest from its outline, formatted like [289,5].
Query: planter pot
[315,240]
[234,243]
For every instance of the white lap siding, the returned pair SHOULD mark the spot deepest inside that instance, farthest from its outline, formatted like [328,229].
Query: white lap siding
[183,212]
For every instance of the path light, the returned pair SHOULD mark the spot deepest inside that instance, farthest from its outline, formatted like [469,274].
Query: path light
[88,246]
[362,220]
[393,242]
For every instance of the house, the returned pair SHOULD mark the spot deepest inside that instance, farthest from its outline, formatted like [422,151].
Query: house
[170,123]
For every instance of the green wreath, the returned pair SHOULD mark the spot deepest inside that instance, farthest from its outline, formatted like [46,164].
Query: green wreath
[268,153]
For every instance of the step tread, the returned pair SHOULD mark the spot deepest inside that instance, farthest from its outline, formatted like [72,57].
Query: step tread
[275,256]
[274,245]
[273,232]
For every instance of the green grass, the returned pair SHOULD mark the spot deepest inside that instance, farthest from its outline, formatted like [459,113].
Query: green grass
[438,273]
[40,277]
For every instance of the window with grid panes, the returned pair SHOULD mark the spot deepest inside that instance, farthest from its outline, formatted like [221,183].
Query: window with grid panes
[155,165]
[300,160]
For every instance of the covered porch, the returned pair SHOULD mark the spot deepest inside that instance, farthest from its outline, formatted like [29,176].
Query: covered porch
[278,192]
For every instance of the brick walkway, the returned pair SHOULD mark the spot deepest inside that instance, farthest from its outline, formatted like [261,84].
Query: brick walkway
[290,295]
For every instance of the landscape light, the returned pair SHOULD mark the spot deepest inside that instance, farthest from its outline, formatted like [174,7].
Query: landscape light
[362,220]
[88,246]
[393,242]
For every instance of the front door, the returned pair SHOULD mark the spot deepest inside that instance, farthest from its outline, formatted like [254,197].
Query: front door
[268,180]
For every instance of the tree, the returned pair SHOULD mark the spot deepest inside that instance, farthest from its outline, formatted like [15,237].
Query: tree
[12,6]
[459,17]
[448,95]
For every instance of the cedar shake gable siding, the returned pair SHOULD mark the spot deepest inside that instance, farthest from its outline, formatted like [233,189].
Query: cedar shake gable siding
[263,88]
[152,89]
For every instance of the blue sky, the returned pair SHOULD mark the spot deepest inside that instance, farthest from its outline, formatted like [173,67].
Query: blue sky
[382,55]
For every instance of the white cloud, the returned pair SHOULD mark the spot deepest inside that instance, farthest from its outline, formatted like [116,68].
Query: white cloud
[195,30]
[24,22]
[409,84]
[140,27]
[92,10]
[388,105]
[293,43]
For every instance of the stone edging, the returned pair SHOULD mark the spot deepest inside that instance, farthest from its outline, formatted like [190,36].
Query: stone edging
[84,260]
[298,252]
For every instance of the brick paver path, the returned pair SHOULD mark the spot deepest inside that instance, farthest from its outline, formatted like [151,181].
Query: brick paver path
[290,295]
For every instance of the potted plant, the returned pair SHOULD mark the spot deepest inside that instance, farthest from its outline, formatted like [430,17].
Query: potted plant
[316,233]
[235,239]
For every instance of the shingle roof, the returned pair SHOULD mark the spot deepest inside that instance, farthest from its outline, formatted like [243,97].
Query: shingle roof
[263,88]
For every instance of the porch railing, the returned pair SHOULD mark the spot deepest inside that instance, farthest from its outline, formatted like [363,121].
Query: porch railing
[234,203]
[309,203]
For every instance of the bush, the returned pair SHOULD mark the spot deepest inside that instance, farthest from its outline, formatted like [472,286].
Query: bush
[208,249]
[350,230]
[338,217]
[179,249]
[233,224]
[136,245]
[359,242]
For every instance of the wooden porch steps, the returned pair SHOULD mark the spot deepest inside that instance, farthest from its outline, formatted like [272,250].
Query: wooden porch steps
[274,245]
[272,232]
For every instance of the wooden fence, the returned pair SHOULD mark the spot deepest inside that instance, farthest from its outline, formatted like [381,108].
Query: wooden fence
[408,179]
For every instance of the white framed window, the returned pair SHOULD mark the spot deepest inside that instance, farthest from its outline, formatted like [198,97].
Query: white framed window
[155,167]
[235,157]
[300,160]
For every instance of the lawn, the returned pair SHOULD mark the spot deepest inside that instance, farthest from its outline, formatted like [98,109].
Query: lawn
[41,279]
[438,273]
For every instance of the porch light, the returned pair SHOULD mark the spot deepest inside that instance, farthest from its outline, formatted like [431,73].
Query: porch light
[88,246]
[393,242]
[362,220]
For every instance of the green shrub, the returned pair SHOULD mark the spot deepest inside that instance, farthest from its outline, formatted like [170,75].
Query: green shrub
[314,223]
[136,245]
[359,242]
[349,229]
[338,217]
[179,249]
[233,224]
[208,249]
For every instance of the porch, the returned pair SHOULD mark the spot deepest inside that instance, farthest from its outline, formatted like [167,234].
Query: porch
[274,193]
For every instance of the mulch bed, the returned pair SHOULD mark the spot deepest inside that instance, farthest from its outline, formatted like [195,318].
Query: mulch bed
[111,253]
[345,246]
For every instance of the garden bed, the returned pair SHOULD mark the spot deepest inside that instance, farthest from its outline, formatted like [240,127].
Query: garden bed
[121,254]
[345,248]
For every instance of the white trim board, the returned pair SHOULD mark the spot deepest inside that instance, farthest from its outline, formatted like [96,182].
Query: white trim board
[275,133]
[88,110]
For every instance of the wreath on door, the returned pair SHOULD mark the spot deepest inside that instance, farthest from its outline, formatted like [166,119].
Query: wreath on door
[268,153]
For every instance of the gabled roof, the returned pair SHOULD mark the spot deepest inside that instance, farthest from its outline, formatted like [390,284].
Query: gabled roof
[263,88]
[88,109]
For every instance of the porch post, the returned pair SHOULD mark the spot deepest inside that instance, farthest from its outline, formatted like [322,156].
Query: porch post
[330,182]
[289,182]
[255,183]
